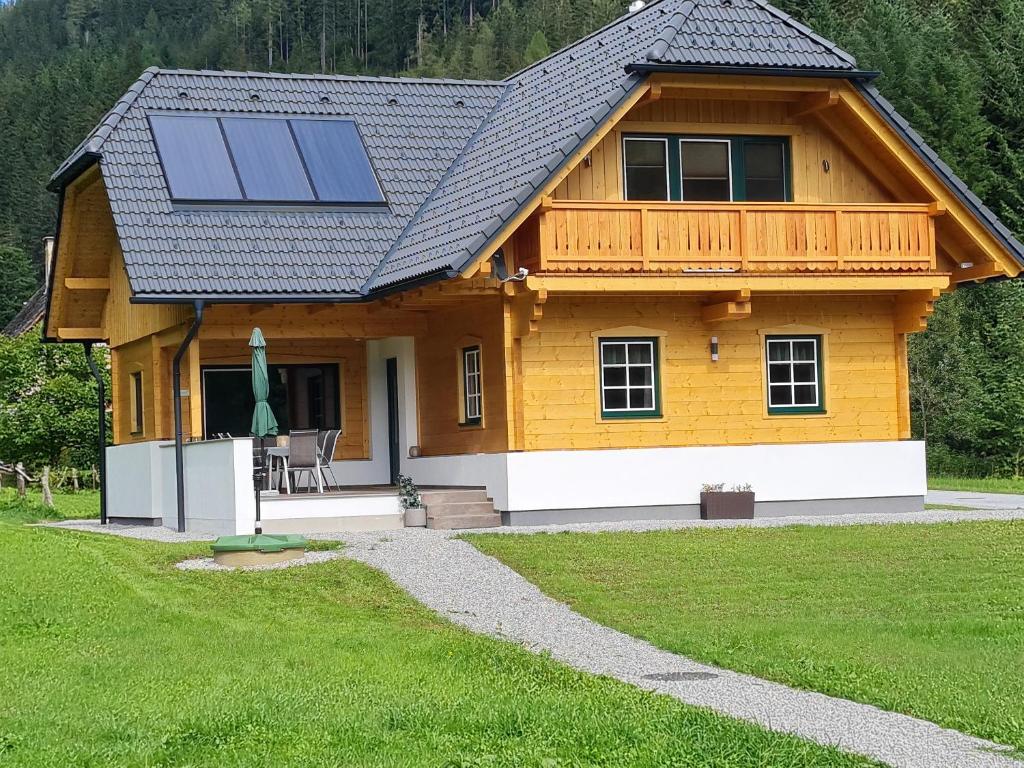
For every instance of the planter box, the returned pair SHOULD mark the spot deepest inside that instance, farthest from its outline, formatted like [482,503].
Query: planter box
[727,505]
[415,517]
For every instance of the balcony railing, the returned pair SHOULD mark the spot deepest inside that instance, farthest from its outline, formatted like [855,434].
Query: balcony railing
[613,236]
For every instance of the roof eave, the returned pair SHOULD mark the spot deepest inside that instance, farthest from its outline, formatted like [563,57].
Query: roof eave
[707,69]
[74,169]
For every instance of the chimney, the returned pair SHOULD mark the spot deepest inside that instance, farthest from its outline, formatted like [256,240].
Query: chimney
[47,262]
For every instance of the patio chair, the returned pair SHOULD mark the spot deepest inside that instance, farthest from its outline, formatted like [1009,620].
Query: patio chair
[304,456]
[327,441]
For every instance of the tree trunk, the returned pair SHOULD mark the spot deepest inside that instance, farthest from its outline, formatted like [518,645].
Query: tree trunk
[19,474]
[47,496]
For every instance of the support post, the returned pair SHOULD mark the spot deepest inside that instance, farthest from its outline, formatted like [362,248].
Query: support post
[179,457]
[101,408]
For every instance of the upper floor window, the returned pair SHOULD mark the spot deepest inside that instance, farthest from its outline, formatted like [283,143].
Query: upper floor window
[706,169]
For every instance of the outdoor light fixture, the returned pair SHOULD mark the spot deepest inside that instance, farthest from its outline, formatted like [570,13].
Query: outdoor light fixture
[714,349]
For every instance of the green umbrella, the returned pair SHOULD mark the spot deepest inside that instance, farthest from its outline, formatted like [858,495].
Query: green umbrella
[263,421]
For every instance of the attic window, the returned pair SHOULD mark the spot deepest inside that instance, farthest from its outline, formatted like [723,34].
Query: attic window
[264,160]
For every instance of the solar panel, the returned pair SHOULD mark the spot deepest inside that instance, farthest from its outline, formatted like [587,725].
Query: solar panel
[195,161]
[337,161]
[267,161]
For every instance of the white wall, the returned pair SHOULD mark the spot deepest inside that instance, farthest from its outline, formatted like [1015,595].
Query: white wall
[134,481]
[538,480]
[376,469]
[219,494]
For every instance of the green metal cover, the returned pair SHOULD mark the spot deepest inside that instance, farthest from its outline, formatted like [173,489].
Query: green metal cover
[263,542]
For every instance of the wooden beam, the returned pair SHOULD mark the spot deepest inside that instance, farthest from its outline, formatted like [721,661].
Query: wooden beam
[977,272]
[914,309]
[725,310]
[87,283]
[814,102]
[80,334]
[715,283]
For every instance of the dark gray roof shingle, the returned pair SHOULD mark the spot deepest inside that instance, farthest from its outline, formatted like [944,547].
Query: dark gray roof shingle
[31,312]
[457,159]
[744,33]
[413,130]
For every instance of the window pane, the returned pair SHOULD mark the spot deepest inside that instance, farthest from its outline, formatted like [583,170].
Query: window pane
[779,373]
[641,399]
[614,377]
[803,372]
[706,190]
[646,164]
[640,377]
[267,160]
[640,353]
[765,171]
[613,354]
[614,399]
[780,395]
[195,161]
[763,160]
[337,161]
[705,159]
[804,350]
[806,394]
[778,350]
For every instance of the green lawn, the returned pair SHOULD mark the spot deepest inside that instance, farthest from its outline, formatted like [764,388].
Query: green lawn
[111,657]
[981,484]
[67,506]
[922,619]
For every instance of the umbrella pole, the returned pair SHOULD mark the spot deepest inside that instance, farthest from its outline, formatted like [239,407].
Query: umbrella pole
[258,484]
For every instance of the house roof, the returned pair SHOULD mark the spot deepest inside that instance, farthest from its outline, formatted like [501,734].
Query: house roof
[457,160]
[31,312]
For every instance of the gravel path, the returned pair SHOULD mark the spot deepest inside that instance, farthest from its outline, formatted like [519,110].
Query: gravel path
[976,500]
[478,592]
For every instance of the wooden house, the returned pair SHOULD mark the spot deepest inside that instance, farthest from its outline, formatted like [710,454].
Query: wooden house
[687,249]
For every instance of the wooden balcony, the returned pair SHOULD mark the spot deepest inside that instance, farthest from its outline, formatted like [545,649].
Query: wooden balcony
[626,237]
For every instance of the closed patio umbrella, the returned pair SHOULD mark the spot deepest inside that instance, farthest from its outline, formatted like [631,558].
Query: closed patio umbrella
[263,421]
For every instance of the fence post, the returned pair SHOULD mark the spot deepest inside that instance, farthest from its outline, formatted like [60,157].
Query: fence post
[45,482]
[19,474]
[74,480]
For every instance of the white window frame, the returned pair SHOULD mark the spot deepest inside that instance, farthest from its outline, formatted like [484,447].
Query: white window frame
[472,386]
[625,176]
[682,170]
[816,364]
[650,343]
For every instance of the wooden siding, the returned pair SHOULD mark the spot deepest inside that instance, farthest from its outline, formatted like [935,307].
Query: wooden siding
[706,403]
[437,379]
[749,237]
[348,354]
[846,181]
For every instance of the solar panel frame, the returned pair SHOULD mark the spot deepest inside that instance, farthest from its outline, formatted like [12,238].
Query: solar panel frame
[371,176]
[255,163]
[164,156]
[355,203]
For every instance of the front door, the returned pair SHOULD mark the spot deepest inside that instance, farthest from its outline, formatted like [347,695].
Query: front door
[393,437]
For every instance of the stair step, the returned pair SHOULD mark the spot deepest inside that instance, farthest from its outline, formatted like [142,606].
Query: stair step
[450,522]
[460,508]
[453,495]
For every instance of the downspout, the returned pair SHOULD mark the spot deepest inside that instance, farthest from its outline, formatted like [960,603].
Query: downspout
[101,407]
[179,458]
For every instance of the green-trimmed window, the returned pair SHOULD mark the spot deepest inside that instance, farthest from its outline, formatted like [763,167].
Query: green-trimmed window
[630,386]
[795,380]
[472,387]
[706,168]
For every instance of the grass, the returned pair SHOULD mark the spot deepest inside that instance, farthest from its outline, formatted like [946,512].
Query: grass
[977,484]
[111,657]
[922,619]
[67,506]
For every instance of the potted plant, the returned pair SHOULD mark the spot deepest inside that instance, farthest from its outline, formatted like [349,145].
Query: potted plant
[412,502]
[716,503]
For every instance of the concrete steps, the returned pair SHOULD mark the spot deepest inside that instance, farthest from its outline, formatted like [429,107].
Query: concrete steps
[452,508]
